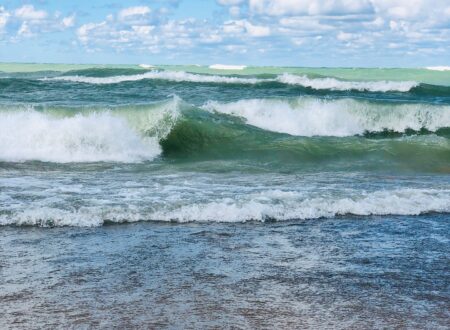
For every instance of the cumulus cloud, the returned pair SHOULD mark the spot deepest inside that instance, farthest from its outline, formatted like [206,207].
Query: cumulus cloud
[237,27]
[68,21]
[337,28]
[27,12]
[133,12]
[4,17]
[310,7]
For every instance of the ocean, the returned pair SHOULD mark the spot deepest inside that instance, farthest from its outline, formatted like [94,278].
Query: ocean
[196,196]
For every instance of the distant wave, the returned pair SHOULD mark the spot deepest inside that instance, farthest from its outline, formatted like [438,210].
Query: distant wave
[178,76]
[438,68]
[227,67]
[315,117]
[272,205]
[146,66]
[342,85]
[290,79]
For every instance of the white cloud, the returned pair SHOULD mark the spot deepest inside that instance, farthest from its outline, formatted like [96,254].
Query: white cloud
[133,11]
[68,21]
[257,30]
[85,32]
[237,27]
[310,7]
[343,36]
[24,30]
[230,2]
[27,12]
[143,29]
[4,17]
[235,11]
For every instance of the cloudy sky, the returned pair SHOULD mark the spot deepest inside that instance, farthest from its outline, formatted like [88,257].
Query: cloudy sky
[369,33]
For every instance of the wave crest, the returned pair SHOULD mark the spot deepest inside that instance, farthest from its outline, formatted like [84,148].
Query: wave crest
[342,85]
[346,117]
[120,135]
[286,78]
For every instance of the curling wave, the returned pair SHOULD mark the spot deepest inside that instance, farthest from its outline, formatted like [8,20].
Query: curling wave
[345,117]
[297,131]
[129,134]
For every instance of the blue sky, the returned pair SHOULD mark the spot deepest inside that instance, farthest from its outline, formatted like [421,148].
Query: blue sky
[392,33]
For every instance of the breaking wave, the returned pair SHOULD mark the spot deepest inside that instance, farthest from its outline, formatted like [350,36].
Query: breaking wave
[342,85]
[326,83]
[177,76]
[302,129]
[345,117]
[77,135]
[273,205]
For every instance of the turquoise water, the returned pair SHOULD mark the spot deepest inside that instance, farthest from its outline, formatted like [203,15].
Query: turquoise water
[185,196]
[84,146]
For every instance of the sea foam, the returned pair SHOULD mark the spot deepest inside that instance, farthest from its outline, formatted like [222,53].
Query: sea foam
[268,205]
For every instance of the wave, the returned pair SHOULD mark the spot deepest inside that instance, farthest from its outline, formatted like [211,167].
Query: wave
[342,85]
[438,68]
[176,76]
[345,117]
[298,131]
[227,67]
[77,135]
[289,79]
[273,205]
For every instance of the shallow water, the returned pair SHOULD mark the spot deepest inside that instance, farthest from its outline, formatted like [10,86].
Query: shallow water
[348,272]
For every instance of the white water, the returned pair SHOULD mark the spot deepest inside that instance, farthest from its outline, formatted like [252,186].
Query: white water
[314,117]
[438,68]
[177,76]
[341,85]
[316,83]
[84,137]
[271,204]
[227,67]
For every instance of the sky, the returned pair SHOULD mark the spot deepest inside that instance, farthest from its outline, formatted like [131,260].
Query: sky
[345,33]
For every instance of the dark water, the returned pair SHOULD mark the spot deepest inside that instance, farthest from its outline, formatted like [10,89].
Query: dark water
[348,272]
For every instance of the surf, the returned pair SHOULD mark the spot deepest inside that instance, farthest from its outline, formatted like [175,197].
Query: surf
[296,132]
[268,205]
[317,83]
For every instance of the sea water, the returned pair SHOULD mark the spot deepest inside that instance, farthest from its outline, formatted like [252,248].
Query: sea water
[259,195]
